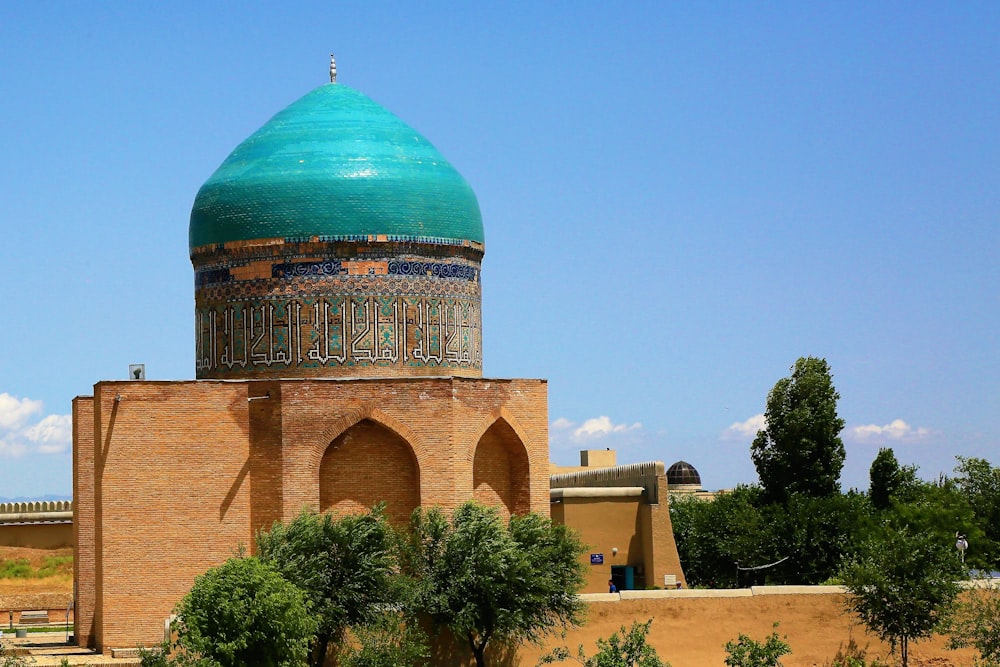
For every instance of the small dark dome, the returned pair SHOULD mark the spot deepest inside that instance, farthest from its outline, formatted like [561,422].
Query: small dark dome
[683,473]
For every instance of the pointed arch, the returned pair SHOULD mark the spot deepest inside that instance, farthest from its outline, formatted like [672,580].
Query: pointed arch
[368,464]
[366,411]
[501,469]
[501,413]
[365,456]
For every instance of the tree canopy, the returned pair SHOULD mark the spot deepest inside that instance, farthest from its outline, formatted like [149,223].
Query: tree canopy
[491,582]
[979,482]
[888,479]
[345,566]
[901,585]
[244,614]
[800,450]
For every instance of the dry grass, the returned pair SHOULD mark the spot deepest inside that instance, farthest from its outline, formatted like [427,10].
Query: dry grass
[25,570]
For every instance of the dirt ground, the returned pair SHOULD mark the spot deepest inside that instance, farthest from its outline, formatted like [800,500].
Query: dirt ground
[56,584]
[691,632]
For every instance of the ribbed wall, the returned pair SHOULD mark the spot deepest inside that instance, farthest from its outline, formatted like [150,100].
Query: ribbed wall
[635,474]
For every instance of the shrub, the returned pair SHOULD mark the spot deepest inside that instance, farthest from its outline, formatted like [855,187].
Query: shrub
[747,652]
[627,649]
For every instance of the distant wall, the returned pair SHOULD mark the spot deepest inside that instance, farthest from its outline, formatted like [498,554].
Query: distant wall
[36,506]
[37,535]
[37,524]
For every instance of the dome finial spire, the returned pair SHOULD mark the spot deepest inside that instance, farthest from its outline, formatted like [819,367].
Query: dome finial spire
[333,69]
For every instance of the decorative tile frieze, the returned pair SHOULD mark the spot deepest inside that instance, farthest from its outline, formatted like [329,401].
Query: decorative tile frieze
[337,332]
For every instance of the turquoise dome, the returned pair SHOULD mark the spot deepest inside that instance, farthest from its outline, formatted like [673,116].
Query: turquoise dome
[335,165]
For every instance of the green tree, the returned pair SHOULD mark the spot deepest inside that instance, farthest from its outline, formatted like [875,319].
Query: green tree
[889,479]
[391,641]
[242,614]
[976,623]
[901,585]
[741,528]
[815,534]
[979,482]
[939,509]
[345,566]
[713,537]
[624,648]
[800,450]
[747,652]
[490,582]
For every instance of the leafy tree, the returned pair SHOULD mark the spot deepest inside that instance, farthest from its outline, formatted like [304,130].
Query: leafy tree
[901,585]
[747,652]
[712,537]
[800,450]
[345,566]
[242,614]
[390,641]
[976,623]
[939,509]
[815,534]
[488,582]
[740,528]
[979,482]
[889,479]
[629,649]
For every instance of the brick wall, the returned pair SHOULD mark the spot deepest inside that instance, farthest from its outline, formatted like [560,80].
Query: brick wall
[173,497]
[84,565]
[368,464]
[185,472]
[500,470]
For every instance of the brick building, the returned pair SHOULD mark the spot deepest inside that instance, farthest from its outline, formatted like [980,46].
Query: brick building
[338,363]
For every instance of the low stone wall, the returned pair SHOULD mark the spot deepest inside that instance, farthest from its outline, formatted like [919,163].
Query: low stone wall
[55,604]
[690,627]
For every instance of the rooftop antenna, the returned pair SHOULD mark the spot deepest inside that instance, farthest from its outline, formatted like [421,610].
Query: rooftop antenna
[333,69]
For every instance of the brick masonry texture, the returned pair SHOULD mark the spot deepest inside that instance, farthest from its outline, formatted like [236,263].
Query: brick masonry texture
[175,477]
[84,564]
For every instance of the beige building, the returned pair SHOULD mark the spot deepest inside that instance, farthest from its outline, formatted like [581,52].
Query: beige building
[622,514]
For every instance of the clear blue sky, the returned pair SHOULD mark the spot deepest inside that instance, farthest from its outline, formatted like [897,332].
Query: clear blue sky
[680,199]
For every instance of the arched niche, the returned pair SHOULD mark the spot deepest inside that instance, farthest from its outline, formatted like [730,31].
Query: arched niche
[500,471]
[366,464]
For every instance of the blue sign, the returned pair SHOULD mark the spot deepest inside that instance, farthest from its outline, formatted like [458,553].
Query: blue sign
[597,559]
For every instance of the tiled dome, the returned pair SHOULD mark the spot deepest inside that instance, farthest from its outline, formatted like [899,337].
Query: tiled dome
[337,166]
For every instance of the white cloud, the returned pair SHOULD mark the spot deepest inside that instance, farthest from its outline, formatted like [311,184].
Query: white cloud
[15,411]
[566,435]
[12,449]
[52,435]
[894,430]
[745,429]
[600,427]
[561,424]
